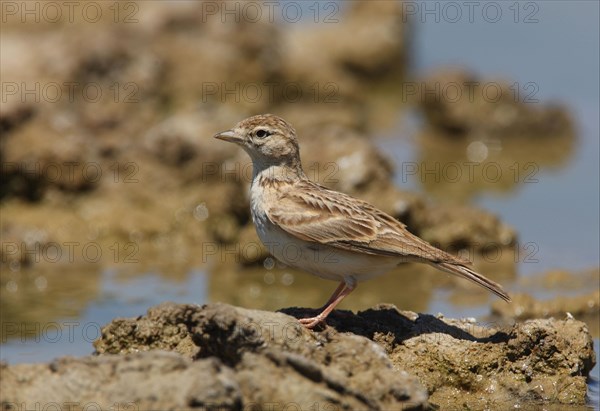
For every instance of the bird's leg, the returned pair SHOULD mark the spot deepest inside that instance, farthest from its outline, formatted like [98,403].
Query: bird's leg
[337,292]
[346,288]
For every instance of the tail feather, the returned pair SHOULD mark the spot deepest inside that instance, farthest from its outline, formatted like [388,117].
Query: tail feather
[466,272]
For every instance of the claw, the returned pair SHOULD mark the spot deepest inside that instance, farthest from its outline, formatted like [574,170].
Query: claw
[311,322]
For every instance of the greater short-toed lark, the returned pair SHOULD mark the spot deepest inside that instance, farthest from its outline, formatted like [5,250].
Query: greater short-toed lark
[324,232]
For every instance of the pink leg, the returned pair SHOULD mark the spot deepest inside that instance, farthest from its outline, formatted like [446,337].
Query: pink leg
[313,321]
[335,294]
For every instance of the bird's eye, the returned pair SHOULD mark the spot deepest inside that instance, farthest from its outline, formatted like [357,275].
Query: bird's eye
[262,133]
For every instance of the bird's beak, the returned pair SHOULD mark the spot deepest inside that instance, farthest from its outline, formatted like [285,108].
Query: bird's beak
[230,135]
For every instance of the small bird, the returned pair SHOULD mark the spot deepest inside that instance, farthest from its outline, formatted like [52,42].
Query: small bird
[325,232]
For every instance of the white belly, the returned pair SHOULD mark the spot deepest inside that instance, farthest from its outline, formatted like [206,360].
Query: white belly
[321,260]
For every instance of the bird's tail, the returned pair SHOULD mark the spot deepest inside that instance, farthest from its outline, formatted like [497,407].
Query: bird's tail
[466,272]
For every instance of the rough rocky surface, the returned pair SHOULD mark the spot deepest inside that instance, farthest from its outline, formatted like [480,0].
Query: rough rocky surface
[143,381]
[233,358]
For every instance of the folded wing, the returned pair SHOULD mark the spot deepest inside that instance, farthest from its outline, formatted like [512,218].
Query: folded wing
[316,214]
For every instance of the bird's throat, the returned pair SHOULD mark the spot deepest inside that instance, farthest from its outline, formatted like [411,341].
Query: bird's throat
[277,172]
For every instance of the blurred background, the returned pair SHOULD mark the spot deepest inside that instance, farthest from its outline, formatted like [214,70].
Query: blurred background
[476,124]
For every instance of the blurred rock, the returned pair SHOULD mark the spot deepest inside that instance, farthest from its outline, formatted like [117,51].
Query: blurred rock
[379,37]
[360,43]
[170,77]
[343,160]
[458,170]
[460,103]
[526,306]
[118,84]
[185,142]
[21,244]
[40,154]
[12,115]
[217,53]
[562,280]
[573,294]
[457,227]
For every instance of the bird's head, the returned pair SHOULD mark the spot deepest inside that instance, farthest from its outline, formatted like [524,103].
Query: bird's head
[268,139]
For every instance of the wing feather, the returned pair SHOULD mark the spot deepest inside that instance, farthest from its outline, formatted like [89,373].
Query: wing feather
[316,214]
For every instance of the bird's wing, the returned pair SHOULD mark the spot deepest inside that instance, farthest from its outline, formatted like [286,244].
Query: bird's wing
[316,214]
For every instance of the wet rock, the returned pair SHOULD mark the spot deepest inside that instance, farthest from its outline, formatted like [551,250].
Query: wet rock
[40,155]
[20,244]
[236,358]
[331,369]
[460,103]
[185,141]
[342,159]
[14,114]
[363,41]
[582,299]
[379,36]
[525,306]
[458,227]
[146,380]
[462,363]
[459,170]
[165,327]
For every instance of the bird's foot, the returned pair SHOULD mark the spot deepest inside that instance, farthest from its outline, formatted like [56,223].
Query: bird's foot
[312,322]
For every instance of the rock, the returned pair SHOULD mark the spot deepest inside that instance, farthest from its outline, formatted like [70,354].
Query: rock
[525,306]
[462,169]
[234,358]
[205,45]
[165,327]
[330,369]
[460,103]
[13,115]
[480,366]
[581,303]
[352,48]
[185,141]
[457,227]
[39,155]
[462,363]
[378,43]
[343,159]
[146,380]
